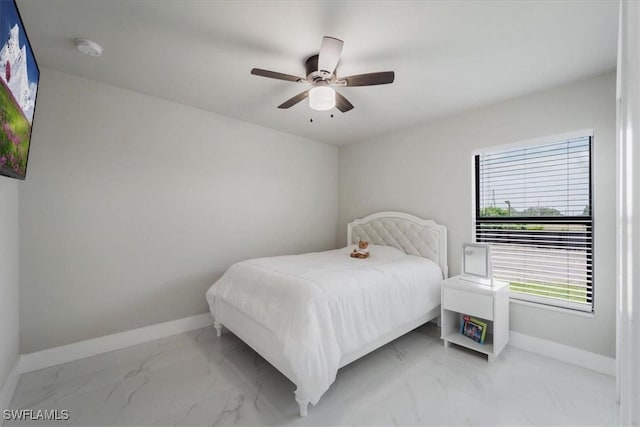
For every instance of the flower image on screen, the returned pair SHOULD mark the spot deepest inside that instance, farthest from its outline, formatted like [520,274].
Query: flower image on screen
[19,77]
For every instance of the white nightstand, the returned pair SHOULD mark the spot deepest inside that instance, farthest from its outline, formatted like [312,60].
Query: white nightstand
[487,303]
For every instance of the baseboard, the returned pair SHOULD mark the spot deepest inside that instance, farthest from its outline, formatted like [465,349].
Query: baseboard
[575,356]
[81,349]
[9,387]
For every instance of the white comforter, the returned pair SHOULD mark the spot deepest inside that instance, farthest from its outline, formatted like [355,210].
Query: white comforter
[324,305]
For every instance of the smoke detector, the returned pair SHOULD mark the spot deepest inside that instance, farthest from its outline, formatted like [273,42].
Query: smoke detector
[89,47]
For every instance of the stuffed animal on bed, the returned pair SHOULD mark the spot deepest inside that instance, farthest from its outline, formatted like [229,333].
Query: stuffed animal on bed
[362,251]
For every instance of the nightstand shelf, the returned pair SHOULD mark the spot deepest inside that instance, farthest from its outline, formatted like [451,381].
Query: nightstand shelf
[487,303]
[461,340]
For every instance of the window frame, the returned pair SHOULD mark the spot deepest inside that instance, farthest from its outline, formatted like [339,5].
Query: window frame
[556,304]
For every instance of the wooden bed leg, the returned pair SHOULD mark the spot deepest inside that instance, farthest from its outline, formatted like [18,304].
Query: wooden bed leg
[303,403]
[218,327]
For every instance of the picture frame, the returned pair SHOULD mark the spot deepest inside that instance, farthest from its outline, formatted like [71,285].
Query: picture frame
[473,328]
[476,263]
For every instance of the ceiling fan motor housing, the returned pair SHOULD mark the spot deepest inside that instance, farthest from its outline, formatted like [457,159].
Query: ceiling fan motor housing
[313,74]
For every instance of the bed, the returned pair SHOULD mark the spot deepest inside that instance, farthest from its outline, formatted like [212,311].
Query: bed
[311,314]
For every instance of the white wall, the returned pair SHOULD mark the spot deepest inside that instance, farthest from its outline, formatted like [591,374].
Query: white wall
[133,206]
[426,171]
[9,319]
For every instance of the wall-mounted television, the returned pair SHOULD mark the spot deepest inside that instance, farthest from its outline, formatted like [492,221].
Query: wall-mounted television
[19,76]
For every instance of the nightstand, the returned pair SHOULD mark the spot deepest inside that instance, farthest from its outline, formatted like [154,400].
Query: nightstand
[487,303]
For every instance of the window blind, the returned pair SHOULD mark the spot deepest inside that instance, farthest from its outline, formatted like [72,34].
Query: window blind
[534,206]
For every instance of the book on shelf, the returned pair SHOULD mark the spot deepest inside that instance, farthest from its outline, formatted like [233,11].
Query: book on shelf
[473,328]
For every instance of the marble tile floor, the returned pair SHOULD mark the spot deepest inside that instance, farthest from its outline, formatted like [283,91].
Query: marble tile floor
[197,379]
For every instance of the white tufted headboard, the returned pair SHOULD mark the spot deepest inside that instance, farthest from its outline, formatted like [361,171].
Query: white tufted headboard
[410,234]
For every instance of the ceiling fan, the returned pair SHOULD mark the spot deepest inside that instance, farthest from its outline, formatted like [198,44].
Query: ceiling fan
[321,74]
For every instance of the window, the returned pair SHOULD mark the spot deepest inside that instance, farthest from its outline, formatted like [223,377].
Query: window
[533,205]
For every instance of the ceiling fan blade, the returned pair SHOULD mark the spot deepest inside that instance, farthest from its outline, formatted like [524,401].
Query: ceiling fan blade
[274,75]
[343,103]
[369,79]
[330,51]
[293,101]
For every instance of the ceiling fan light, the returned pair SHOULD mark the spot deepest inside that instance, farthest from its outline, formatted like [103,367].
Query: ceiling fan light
[322,98]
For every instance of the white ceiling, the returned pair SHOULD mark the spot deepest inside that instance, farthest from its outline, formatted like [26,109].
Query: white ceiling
[448,56]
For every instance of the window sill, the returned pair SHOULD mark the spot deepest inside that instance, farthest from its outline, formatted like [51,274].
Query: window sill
[553,308]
